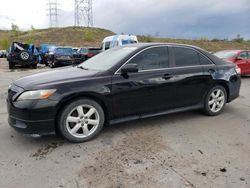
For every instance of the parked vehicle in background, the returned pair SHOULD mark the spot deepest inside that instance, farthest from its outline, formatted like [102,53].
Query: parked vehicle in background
[118,40]
[61,56]
[121,84]
[3,53]
[87,52]
[23,55]
[239,57]
[43,50]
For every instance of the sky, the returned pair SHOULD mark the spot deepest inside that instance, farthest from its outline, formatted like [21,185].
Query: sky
[168,18]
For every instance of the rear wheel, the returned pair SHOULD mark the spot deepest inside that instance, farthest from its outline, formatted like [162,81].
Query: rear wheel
[34,66]
[11,65]
[215,101]
[81,120]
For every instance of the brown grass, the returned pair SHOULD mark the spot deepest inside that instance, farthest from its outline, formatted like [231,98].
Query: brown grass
[82,36]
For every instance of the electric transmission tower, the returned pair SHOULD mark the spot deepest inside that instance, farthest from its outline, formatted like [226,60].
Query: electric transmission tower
[53,13]
[83,13]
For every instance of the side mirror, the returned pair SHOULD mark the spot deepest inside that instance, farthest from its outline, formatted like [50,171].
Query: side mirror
[129,68]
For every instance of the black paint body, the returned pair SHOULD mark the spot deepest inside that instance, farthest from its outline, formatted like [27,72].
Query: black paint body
[123,98]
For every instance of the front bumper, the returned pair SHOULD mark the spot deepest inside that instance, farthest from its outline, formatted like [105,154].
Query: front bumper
[35,117]
[60,62]
[40,127]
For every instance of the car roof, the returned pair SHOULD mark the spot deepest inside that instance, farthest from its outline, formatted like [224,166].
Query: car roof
[144,45]
[238,51]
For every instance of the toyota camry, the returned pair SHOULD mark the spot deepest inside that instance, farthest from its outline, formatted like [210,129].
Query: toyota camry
[121,84]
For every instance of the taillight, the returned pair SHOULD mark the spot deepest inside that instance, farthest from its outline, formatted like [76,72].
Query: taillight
[237,69]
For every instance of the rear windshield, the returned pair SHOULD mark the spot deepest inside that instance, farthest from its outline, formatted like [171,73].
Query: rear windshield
[68,51]
[226,54]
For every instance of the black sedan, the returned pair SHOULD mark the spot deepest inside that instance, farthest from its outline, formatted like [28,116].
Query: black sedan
[121,84]
[61,56]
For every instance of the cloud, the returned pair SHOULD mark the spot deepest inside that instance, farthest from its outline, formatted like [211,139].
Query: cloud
[169,18]
[189,18]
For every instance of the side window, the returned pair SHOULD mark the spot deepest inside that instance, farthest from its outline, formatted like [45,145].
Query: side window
[244,55]
[185,57]
[107,45]
[204,60]
[153,58]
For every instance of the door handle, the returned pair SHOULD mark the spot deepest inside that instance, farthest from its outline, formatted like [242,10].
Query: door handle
[167,76]
[211,71]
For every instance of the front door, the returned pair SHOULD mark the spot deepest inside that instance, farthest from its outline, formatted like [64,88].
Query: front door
[243,62]
[148,91]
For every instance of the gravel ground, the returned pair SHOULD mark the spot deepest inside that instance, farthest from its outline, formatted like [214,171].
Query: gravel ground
[178,150]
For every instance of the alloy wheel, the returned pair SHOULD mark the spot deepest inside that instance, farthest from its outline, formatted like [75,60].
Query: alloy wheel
[82,121]
[216,100]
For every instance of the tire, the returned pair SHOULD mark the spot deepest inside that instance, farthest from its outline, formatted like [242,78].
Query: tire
[74,122]
[24,55]
[34,66]
[11,65]
[215,101]
[51,64]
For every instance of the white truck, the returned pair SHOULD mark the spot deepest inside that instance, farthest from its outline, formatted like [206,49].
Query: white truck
[118,40]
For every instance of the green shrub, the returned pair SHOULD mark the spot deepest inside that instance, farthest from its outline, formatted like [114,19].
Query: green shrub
[5,44]
[30,41]
[88,36]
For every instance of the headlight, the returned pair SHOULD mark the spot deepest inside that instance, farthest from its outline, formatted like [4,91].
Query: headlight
[38,94]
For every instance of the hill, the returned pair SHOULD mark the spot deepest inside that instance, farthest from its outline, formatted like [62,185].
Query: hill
[80,36]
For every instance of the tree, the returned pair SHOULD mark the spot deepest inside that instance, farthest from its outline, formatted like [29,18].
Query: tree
[238,39]
[14,28]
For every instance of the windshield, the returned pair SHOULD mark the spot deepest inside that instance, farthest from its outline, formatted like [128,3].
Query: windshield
[64,51]
[226,54]
[107,59]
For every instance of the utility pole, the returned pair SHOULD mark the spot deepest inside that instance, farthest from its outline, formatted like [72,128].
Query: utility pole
[83,13]
[53,13]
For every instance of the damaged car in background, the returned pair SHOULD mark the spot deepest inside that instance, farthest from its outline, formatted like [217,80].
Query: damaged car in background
[23,55]
[61,56]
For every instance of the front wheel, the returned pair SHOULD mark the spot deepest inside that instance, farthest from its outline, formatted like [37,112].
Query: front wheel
[215,101]
[81,120]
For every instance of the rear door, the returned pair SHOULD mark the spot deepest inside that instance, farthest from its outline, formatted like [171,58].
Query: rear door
[248,63]
[191,83]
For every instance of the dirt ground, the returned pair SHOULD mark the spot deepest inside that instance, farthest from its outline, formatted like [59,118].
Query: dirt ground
[178,150]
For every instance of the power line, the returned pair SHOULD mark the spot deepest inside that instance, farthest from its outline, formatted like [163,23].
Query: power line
[53,13]
[83,13]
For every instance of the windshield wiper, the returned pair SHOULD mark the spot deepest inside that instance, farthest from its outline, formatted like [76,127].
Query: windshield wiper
[81,67]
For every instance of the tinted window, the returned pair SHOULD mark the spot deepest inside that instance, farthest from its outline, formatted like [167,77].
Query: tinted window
[204,60]
[64,51]
[153,58]
[248,55]
[185,57]
[244,55]
[107,45]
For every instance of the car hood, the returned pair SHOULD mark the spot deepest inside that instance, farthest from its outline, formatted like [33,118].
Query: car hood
[56,76]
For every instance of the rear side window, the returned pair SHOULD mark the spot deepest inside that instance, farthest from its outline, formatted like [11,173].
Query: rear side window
[204,60]
[153,58]
[185,57]
[107,45]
